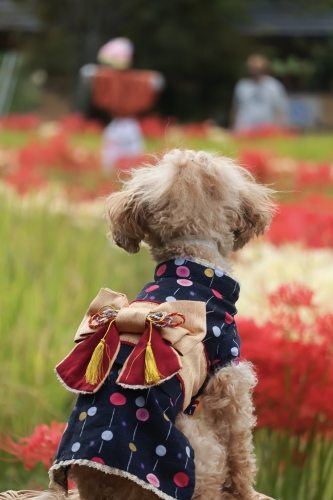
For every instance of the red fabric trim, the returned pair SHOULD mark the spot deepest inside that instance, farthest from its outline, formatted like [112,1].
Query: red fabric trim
[73,368]
[167,362]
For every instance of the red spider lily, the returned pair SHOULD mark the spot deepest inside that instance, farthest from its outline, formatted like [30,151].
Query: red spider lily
[257,162]
[265,131]
[154,126]
[313,175]
[29,121]
[57,153]
[72,123]
[195,130]
[292,296]
[25,179]
[129,162]
[40,447]
[309,221]
[76,123]
[294,363]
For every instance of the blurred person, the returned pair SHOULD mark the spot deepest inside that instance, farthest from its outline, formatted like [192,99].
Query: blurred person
[123,93]
[123,136]
[259,99]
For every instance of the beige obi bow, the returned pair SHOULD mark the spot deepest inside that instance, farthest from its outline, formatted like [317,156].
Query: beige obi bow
[167,340]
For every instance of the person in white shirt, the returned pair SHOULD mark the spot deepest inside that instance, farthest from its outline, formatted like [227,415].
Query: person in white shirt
[259,99]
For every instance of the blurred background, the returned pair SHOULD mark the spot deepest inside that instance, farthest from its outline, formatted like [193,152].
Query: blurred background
[89,90]
[200,50]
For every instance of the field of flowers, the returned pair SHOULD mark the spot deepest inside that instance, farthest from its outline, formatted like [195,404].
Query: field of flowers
[55,256]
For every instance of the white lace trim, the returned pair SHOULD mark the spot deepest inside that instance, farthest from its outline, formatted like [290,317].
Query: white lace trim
[126,386]
[107,470]
[70,389]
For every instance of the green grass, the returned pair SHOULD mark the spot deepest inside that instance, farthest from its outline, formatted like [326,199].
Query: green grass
[315,147]
[294,468]
[51,269]
[14,138]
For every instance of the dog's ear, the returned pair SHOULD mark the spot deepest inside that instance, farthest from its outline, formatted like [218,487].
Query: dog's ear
[254,215]
[125,212]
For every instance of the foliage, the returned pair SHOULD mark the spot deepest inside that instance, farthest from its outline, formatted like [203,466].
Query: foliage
[293,355]
[51,268]
[309,222]
[187,40]
[53,264]
[40,447]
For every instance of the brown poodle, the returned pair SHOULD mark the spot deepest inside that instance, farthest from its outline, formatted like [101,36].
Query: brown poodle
[200,206]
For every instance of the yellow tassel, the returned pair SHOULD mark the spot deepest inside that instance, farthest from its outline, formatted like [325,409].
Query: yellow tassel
[94,369]
[152,375]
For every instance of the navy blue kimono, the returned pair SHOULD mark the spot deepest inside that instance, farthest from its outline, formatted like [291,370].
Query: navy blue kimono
[131,432]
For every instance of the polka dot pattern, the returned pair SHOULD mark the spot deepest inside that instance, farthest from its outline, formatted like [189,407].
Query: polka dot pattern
[107,435]
[117,399]
[183,272]
[99,460]
[152,288]
[134,430]
[142,414]
[75,447]
[160,450]
[92,411]
[217,294]
[234,351]
[140,401]
[161,270]
[181,479]
[179,262]
[209,272]
[152,479]
[185,282]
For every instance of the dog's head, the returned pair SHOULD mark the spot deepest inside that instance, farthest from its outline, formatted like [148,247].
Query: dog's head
[189,193]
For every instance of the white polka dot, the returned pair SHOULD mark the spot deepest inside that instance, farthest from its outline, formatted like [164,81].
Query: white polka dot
[92,411]
[234,351]
[216,331]
[76,446]
[179,262]
[107,435]
[160,450]
[188,451]
[219,273]
[171,299]
[140,401]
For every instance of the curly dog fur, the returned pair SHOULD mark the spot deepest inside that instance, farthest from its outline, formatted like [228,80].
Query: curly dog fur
[174,208]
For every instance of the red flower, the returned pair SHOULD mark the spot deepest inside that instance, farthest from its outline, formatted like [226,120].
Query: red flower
[257,162]
[294,363]
[309,221]
[40,447]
